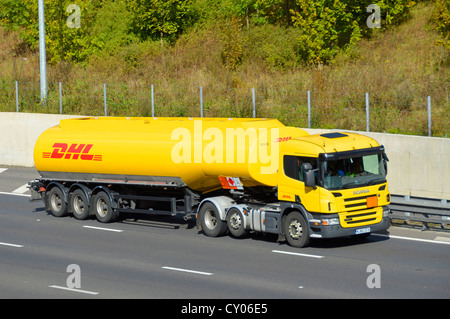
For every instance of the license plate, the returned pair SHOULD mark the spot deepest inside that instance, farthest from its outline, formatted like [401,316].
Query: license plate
[362,231]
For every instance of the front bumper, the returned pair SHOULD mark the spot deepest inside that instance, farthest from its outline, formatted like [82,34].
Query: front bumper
[333,231]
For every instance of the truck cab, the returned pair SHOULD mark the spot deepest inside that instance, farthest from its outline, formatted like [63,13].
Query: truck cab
[328,185]
[338,183]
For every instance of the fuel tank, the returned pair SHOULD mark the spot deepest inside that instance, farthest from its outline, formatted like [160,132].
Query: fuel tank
[201,153]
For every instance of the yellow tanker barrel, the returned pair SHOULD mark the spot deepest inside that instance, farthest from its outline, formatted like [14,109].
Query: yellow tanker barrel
[198,152]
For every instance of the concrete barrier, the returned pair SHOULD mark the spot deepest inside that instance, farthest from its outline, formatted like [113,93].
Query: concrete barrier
[418,166]
[19,132]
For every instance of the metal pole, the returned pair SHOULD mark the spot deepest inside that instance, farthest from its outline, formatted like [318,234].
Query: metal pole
[153,102]
[429,115]
[309,109]
[367,113]
[60,98]
[42,54]
[254,102]
[17,96]
[201,102]
[104,99]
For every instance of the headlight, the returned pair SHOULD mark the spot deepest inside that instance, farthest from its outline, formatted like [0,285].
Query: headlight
[386,211]
[330,221]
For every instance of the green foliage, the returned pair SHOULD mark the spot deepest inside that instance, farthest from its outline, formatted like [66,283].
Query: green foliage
[329,26]
[441,19]
[160,18]
[322,27]
[62,42]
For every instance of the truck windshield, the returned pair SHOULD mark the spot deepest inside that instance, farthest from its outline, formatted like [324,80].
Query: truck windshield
[354,171]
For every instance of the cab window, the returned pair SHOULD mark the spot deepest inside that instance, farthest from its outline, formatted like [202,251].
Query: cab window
[293,166]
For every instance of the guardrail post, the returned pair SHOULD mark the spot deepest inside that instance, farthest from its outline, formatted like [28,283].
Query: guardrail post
[254,102]
[309,108]
[201,101]
[17,96]
[60,98]
[429,115]
[367,113]
[153,101]
[104,99]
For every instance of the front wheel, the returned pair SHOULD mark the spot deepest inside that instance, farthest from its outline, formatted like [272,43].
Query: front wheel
[296,230]
[210,221]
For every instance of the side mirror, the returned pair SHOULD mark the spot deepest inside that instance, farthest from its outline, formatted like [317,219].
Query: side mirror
[308,175]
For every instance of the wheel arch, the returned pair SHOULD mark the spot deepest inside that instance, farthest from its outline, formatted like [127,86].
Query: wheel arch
[222,203]
[61,187]
[108,192]
[287,208]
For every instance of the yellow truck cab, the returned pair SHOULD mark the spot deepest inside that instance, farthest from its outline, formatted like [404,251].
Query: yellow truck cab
[337,181]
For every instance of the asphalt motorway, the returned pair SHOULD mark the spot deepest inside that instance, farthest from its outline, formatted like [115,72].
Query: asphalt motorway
[42,256]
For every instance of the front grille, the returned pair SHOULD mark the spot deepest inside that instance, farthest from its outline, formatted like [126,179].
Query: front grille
[356,203]
[360,218]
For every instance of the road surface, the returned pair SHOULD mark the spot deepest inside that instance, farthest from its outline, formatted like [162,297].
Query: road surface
[42,256]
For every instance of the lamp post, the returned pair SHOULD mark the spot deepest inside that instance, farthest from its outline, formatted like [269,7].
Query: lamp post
[42,55]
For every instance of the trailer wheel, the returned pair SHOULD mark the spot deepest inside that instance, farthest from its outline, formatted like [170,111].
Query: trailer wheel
[235,222]
[296,230]
[210,221]
[56,202]
[79,205]
[102,208]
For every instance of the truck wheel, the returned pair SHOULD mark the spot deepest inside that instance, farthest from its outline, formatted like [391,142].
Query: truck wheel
[56,202]
[102,208]
[79,205]
[235,222]
[210,221]
[296,230]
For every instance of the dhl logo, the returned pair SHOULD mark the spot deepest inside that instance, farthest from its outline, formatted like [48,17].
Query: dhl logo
[74,151]
[283,139]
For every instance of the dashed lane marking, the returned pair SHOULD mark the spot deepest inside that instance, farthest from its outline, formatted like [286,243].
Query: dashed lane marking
[189,271]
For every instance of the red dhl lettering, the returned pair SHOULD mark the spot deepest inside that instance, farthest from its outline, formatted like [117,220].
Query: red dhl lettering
[283,139]
[74,151]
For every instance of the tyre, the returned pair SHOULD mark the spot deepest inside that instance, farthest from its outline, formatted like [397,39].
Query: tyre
[235,223]
[210,221]
[102,208]
[56,202]
[296,230]
[79,204]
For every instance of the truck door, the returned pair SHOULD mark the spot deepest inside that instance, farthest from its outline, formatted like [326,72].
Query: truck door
[291,185]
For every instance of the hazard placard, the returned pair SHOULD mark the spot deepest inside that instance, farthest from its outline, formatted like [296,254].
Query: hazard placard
[231,182]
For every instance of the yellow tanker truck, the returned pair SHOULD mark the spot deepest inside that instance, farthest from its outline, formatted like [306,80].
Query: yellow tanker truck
[235,175]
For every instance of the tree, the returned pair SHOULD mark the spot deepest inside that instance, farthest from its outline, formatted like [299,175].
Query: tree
[163,19]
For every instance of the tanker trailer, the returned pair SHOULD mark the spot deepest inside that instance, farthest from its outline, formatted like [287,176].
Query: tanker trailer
[235,175]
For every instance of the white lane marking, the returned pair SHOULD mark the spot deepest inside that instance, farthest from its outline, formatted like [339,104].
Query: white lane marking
[189,271]
[22,189]
[102,228]
[3,169]
[439,238]
[414,239]
[75,290]
[15,194]
[296,254]
[11,245]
